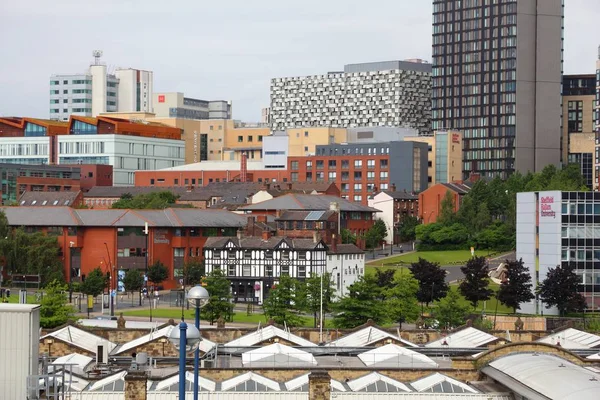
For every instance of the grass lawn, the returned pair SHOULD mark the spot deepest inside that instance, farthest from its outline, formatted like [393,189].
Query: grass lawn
[442,257]
[238,317]
[14,298]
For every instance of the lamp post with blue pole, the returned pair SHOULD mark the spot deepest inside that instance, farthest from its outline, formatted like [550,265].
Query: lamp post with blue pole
[198,297]
[184,339]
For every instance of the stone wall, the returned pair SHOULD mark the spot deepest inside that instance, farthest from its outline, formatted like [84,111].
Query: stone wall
[135,386]
[59,348]
[319,385]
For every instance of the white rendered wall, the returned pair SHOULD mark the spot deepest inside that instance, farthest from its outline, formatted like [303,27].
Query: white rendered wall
[526,239]
[550,222]
[384,202]
[347,268]
[98,73]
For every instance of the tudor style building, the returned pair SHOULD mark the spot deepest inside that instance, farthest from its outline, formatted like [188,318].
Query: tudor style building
[254,264]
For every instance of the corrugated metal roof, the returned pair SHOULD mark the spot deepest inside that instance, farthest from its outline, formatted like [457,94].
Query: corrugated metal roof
[467,338]
[267,333]
[313,202]
[277,355]
[366,337]
[536,375]
[394,356]
[572,339]
[440,383]
[79,338]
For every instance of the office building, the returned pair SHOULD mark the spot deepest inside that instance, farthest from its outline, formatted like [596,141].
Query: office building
[127,145]
[578,137]
[444,156]
[98,91]
[362,169]
[393,93]
[497,79]
[176,105]
[560,228]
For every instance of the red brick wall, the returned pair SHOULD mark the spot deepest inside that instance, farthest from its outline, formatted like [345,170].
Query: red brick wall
[430,202]
[101,175]
[177,178]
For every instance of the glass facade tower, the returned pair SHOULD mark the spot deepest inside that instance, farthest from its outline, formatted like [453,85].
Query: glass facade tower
[488,82]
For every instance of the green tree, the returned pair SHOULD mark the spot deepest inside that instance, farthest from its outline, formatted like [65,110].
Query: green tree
[193,271]
[376,234]
[54,310]
[155,201]
[483,218]
[361,304]
[133,282]
[285,302]
[432,280]
[475,285]
[348,237]
[517,288]
[406,228]
[312,295]
[385,278]
[94,283]
[560,289]
[450,312]
[219,290]
[447,215]
[158,273]
[401,299]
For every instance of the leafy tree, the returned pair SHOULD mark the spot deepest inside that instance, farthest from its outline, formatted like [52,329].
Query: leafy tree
[561,289]
[282,305]
[432,280]
[361,304]
[475,286]
[385,278]
[450,312]
[348,237]
[32,254]
[54,310]
[155,200]
[219,290]
[94,283]
[376,234]
[193,271]
[158,273]
[517,288]
[4,227]
[447,215]
[406,228]
[312,294]
[467,213]
[401,299]
[133,282]
[483,218]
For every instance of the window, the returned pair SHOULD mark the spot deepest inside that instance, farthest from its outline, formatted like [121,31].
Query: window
[332,176]
[294,165]
[331,164]
[240,139]
[294,176]
[357,175]
[370,164]
[383,175]
[179,232]
[357,163]
[285,270]
[309,165]
[358,186]
[302,271]
[260,138]
[370,175]
[250,139]
[194,232]
[246,270]
[357,198]
[345,164]
[179,252]
[319,164]
[231,270]
[66,91]
[305,133]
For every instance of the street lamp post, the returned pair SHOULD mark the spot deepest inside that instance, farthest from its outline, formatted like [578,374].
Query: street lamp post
[112,279]
[198,297]
[71,272]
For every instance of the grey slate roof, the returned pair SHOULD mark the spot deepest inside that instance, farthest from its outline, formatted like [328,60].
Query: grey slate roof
[170,217]
[401,195]
[51,199]
[308,202]
[460,188]
[252,242]
[305,216]
[345,249]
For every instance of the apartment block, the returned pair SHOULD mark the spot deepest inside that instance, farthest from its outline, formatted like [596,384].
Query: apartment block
[177,105]
[444,156]
[597,123]
[97,91]
[497,70]
[392,93]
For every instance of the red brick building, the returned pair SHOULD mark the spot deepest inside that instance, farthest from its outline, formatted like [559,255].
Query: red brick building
[115,239]
[430,201]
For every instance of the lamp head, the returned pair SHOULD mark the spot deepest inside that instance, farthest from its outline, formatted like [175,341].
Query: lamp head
[198,296]
[192,337]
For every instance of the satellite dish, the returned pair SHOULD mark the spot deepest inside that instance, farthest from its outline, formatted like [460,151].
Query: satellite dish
[97,54]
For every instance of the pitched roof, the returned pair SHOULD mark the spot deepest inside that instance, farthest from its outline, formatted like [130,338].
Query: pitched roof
[572,339]
[48,199]
[277,354]
[367,336]
[440,383]
[346,249]
[252,242]
[401,195]
[112,383]
[458,187]
[257,382]
[376,382]
[467,338]
[168,383]
[267,333]
[311,202]
[300,384]
[161,333]
[170,217]
[79,338]
[394,356]
[77,361]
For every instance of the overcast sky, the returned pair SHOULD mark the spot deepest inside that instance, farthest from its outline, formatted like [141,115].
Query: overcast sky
[226,49]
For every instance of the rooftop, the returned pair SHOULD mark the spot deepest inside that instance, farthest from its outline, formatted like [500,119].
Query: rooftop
[466,338]
[48,199]
[252,242]
[219,166]
[308,202]
[572,339]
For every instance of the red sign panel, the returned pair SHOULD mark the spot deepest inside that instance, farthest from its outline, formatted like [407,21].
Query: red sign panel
[455,138]
[161,98]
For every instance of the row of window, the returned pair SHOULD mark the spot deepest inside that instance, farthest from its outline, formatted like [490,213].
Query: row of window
[74,82]
[249,139]
[319,164]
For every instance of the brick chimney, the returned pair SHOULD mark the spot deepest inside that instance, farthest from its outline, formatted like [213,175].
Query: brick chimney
[319,385]
[239,234]
[316,237]
[334,240]
[250,226]
[266,235]
[135,385]
[244,168]
[393,187]
[474,177]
